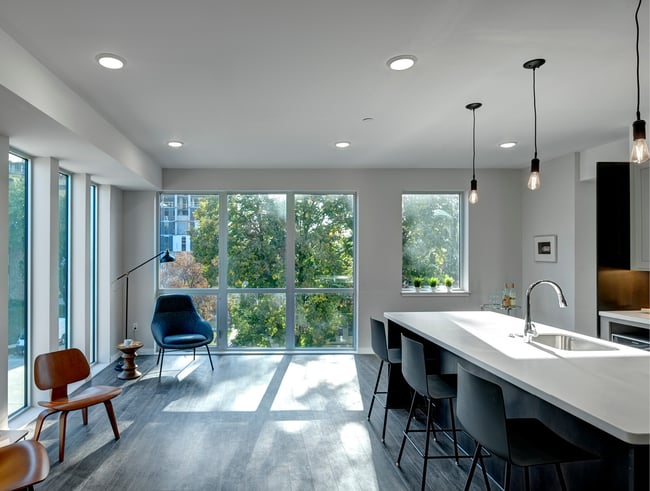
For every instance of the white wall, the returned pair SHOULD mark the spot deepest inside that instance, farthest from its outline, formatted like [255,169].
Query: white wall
[550,210]
[494,232]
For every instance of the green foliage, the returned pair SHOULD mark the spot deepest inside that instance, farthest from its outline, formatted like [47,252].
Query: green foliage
[433,282]
[449,281]
[17,241]
[430,235]
[417,282]
[324,258]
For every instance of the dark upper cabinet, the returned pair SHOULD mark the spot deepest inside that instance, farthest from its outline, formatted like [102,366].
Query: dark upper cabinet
[613,214]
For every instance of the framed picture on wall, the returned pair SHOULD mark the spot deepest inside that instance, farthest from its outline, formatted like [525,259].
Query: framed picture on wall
[545,248]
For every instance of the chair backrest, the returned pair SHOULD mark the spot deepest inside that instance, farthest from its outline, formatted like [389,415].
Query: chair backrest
[414,367]
[174,303]
[57,369]
[481,410]
[378,339]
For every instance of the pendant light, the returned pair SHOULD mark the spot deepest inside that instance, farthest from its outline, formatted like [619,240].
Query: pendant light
[639,143]
[473,190]
[533,180]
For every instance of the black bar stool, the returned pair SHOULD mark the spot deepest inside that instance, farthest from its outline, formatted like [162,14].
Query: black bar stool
[432,388]
[524,442]
[390,357]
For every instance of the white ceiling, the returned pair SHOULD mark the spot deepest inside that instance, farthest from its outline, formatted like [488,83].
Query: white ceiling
[274,83]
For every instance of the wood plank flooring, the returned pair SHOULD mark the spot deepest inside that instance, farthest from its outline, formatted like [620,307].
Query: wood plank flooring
[258,422]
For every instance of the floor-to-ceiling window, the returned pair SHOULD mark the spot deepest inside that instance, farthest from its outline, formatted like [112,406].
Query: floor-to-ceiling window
[64,262]
[267,270]
[19,332]
[92,230]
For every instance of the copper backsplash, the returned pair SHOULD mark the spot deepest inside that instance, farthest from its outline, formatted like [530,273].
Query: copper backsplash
[622,289]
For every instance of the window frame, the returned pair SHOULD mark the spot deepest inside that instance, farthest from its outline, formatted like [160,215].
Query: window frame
[463,243]
[222,291]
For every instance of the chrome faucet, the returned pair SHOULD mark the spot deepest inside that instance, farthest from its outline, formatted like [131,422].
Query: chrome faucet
[529,328]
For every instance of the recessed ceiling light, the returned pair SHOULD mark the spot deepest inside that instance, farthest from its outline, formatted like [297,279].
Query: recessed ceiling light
[342,144]
[401,62]
[507,144]
[175,144]
[110,61]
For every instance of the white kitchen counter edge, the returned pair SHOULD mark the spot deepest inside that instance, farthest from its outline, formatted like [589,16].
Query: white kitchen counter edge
[469,344]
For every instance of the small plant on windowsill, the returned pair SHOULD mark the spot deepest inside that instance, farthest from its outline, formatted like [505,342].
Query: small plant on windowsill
[433,283]
[417,283]
[449,282]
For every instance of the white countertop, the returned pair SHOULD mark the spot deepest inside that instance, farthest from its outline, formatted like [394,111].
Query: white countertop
[636,317]
[608,389]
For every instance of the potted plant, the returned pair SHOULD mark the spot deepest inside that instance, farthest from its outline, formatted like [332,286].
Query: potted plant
[449,282]
[417,283]
[433,282]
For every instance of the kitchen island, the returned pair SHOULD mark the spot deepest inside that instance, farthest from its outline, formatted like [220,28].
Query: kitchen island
[599,397]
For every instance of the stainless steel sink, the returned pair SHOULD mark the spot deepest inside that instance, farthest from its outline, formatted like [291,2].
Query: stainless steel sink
[570,343]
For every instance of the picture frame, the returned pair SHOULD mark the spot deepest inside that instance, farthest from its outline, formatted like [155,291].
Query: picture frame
[545,248]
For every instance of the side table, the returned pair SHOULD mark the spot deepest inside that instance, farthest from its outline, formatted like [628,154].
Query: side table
[129,368]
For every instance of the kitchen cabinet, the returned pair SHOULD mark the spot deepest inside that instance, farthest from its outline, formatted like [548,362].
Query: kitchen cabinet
[613,214]
[640,217]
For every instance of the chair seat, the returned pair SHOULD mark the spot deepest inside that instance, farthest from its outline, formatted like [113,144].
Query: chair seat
[534,443]
[395,355]
[23,464]
[439,388]
[89,397]
[184,339]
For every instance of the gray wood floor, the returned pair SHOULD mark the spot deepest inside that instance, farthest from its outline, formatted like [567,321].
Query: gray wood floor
[258,422]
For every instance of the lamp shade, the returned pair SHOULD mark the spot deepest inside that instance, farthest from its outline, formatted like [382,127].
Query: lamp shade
[167,257]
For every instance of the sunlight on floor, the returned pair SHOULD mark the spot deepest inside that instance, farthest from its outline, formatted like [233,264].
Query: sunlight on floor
[243,388]
[319,383]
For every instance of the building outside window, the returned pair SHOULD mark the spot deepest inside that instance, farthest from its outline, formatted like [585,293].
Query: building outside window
[268,270]
[18,332]
[432,245]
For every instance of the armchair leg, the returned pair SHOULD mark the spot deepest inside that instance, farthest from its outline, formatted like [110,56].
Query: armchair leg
[41,419]
[111,417]
[162,360]
[84,415]
[209,356]
[158,359]
[63,419]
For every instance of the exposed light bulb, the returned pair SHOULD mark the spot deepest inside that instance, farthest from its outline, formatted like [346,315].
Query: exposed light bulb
[640,144]
[473,193]
[534,181]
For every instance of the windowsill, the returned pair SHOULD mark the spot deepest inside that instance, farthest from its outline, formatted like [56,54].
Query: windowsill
[410,292]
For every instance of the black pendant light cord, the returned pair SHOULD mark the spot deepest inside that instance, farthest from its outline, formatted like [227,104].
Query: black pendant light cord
[638,85]
[473,143]
[535,111]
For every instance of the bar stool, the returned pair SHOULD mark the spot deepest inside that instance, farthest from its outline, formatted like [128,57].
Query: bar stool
[524,442]
[432,388]
[390,357]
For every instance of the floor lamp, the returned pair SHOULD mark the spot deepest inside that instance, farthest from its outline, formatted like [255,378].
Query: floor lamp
[166,258]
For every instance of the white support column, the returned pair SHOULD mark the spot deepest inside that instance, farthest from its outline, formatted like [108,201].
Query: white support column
[45,254]
[4,283]
[110,293]
[80,263]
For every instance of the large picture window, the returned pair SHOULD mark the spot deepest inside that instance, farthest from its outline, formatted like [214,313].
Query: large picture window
[269,270]
[432,239]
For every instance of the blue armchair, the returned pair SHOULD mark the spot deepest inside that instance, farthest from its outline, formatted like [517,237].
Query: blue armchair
[177,325]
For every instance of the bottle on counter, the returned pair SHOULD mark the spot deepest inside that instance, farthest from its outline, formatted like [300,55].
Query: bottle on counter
[505,297]
[513,296]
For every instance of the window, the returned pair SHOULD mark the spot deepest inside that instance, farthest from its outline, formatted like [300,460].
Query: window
[275,270]
[93,273]
[432,238]
[18,254]
[64,254]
